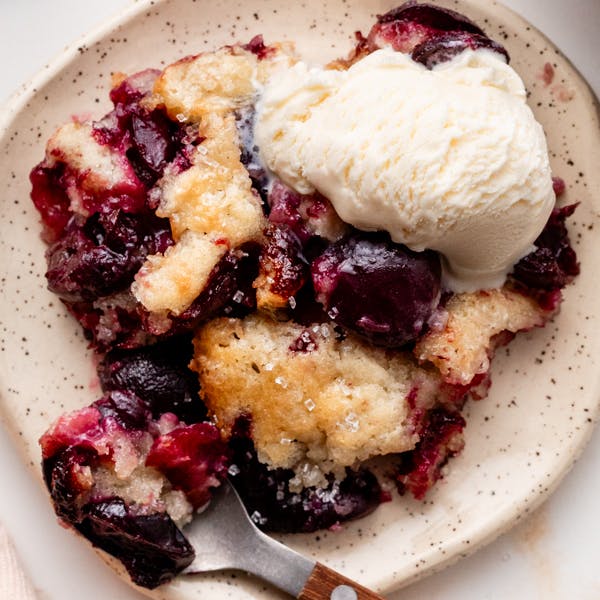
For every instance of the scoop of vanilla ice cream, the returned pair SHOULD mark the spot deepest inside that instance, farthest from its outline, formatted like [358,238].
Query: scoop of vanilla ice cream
[450,159]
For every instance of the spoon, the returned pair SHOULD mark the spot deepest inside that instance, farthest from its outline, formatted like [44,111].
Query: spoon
[224,537]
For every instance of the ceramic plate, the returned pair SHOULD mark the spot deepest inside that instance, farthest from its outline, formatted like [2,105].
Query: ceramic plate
[520,441]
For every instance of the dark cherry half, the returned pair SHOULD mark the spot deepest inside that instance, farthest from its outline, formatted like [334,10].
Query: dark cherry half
[381,290]
[429,15]
[150,546]
[405,27]
[553,264]
[445,47]
[100,256]
[159,375]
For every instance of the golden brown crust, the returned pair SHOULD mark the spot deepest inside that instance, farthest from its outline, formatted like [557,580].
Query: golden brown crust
[99,167]
[266,298]
[214,196]
[461,349]
[211,206]
[341,402]
[212,82]
[215,82]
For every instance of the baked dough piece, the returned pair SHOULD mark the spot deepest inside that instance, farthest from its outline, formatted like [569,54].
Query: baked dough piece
[462,348]
[312,396]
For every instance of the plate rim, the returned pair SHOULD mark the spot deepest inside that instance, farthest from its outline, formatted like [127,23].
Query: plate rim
[17,102]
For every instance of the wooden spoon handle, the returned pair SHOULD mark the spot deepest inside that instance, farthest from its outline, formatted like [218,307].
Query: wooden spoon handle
[327,584]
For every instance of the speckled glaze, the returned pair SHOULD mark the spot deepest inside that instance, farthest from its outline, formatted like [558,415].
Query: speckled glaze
[545,397]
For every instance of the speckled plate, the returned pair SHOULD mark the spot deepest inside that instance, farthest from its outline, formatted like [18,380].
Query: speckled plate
[520,441]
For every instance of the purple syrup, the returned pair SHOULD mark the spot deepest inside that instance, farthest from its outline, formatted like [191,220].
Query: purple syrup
[420,468]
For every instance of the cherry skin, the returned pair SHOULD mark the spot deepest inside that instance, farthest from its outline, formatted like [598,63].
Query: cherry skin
[380,290]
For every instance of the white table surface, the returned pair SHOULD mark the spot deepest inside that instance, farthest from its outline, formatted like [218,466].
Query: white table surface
[555,554]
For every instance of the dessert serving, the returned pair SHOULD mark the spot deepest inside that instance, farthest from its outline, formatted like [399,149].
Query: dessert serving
[288,272]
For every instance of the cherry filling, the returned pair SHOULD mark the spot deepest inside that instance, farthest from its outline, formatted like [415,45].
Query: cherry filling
[193,459]
[151,139]
[380,290]
[151,547]
[553,264]
[117,435]
[50,198]
[100,255]
[440,439]
[96,253]
[431,34]
[274,507]
[157,374]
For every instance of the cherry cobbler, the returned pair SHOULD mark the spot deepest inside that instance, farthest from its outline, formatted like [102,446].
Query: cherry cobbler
[242,328]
